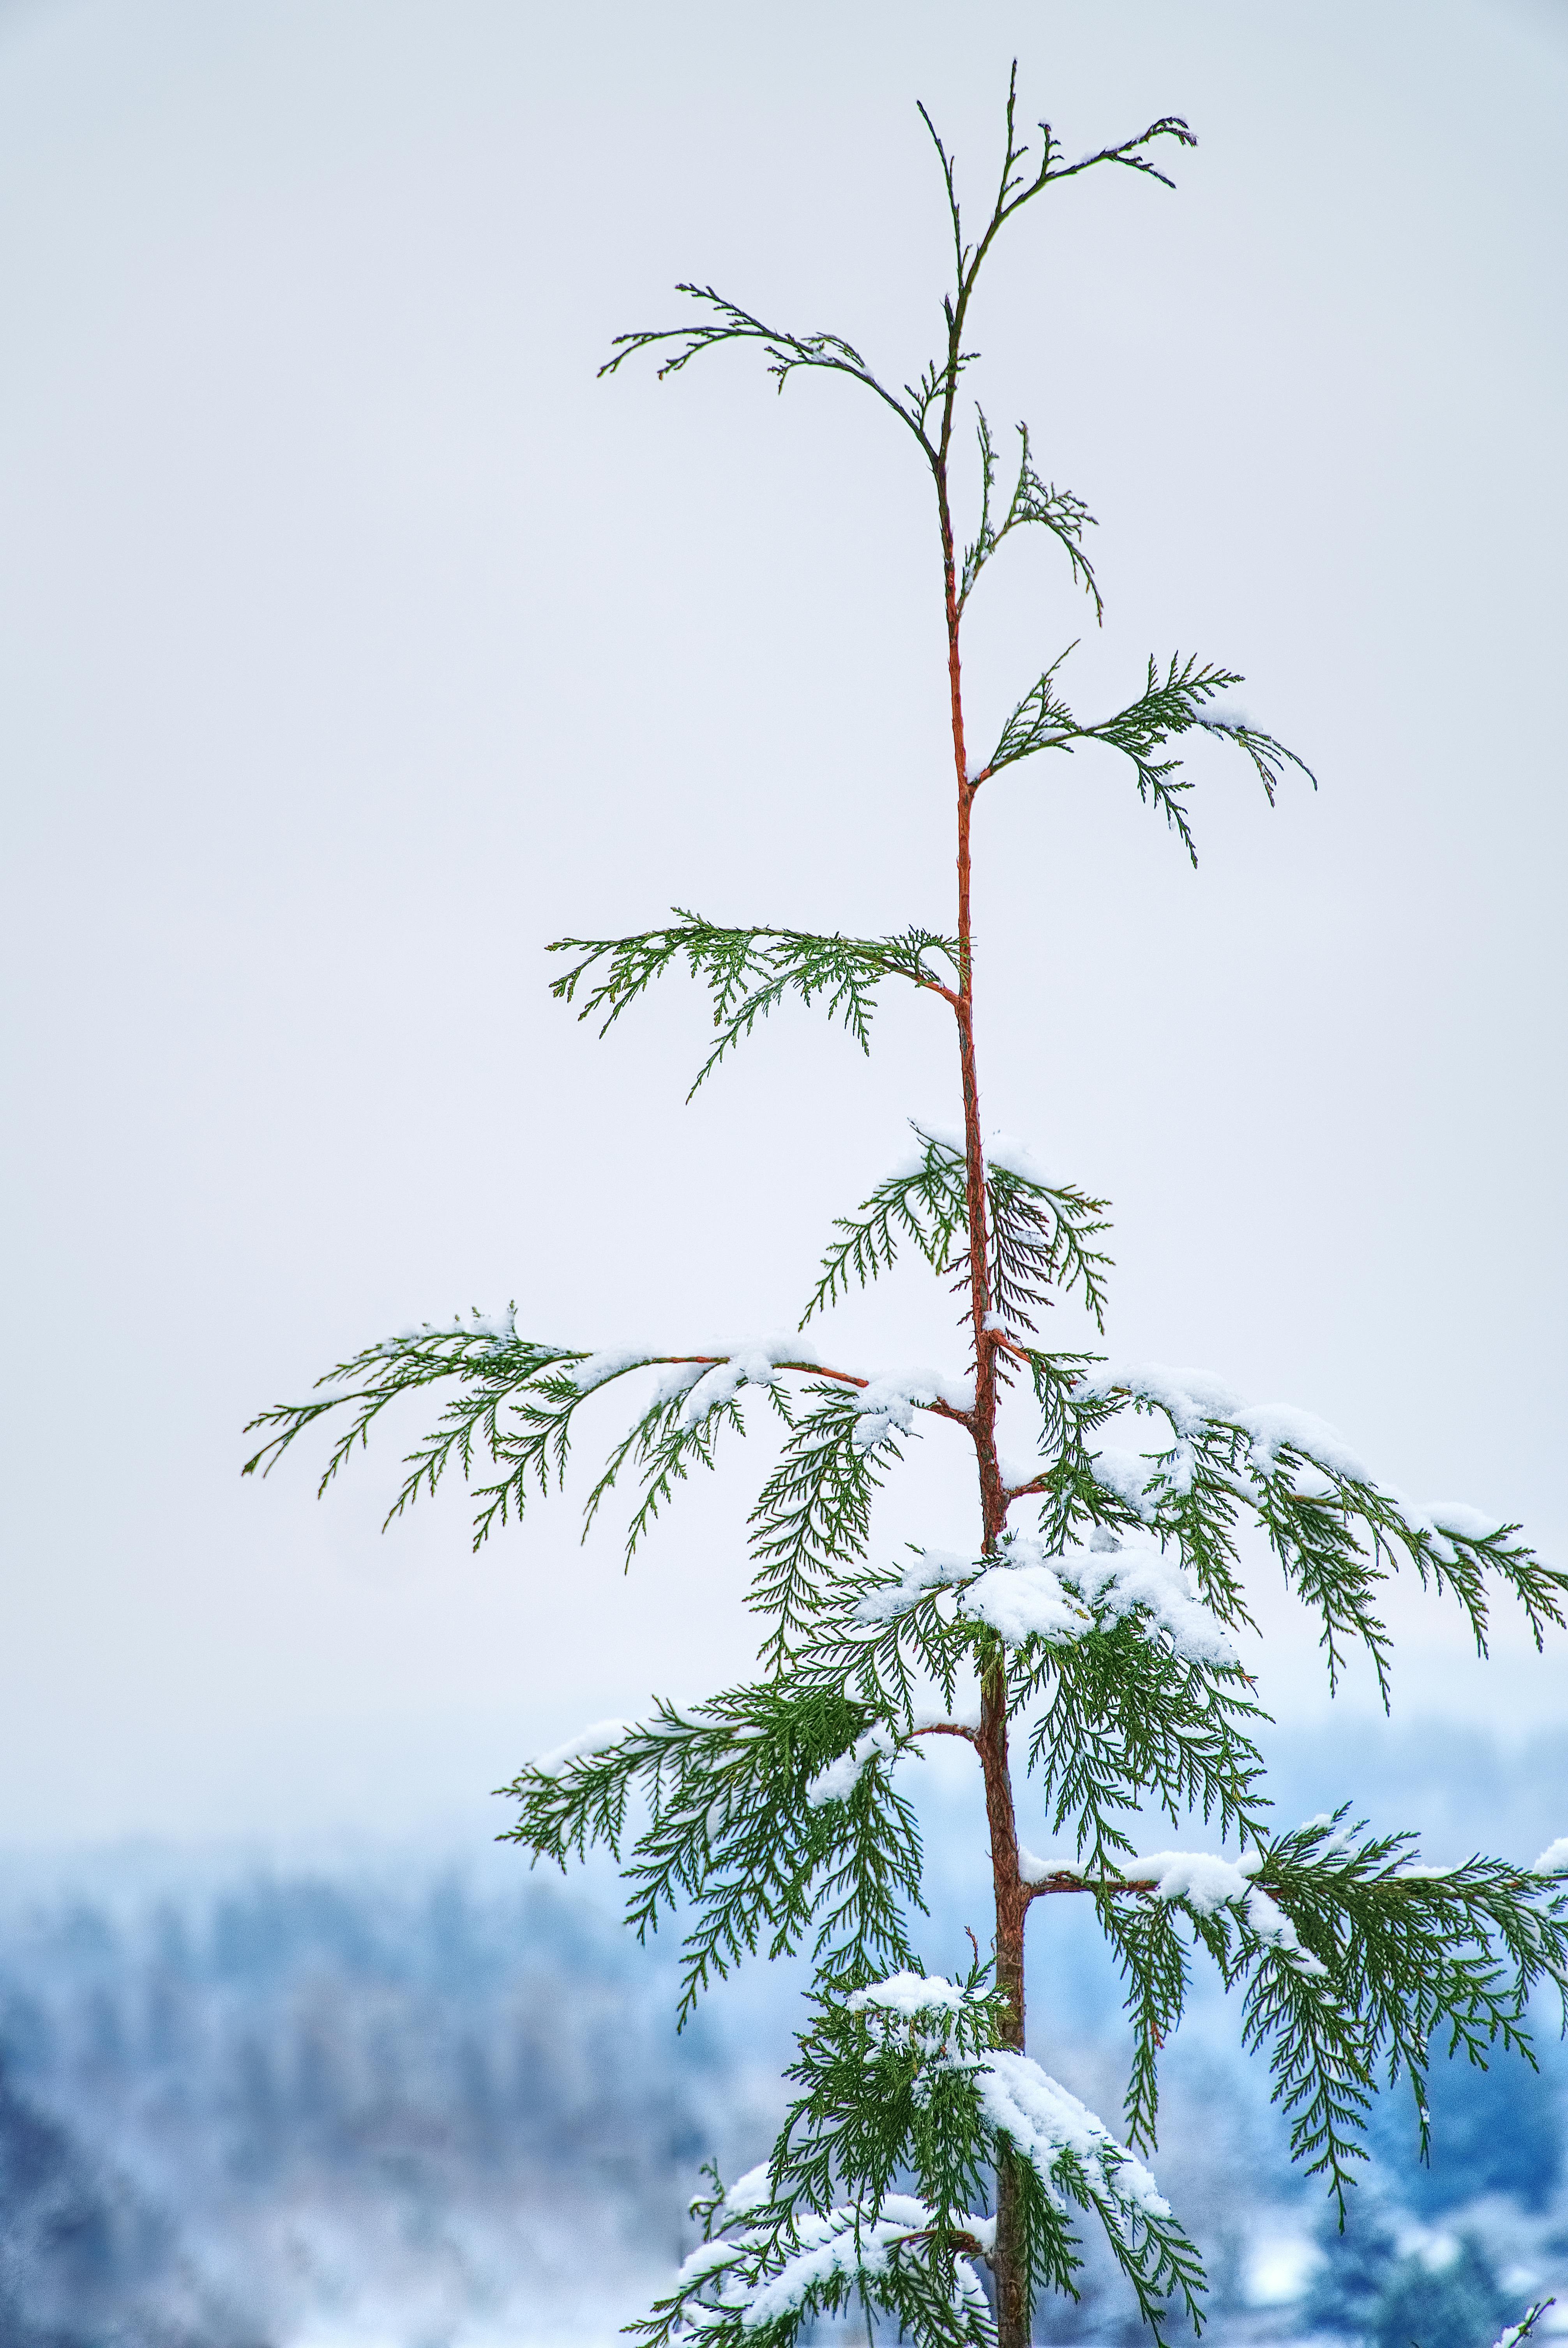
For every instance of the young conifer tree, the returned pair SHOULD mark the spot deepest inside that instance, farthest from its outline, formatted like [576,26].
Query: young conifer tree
[1085,1639]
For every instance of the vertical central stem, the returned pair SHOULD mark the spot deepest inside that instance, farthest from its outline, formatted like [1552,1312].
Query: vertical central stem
[1014,2309]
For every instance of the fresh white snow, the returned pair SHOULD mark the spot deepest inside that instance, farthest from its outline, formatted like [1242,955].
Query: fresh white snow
[1026,1593]
[908,1995]
[599,1738]
[748,2192]
[753,1362]
[1193,1398]
[1138,1574]
[1044,2119]
[1026,1601]
[887,1403]
[600,1368]
[840,1779]
[928,1569]
[846,2241]
[1208,1882]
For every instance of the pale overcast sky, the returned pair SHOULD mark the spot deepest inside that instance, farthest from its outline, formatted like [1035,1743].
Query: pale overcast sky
[353,641]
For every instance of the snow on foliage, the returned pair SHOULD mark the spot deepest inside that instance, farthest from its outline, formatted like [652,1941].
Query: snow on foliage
[602,1737]
[1206,1883]
[840,1779]
[1045,2121]
[886,1403]
[1026,1591]
[758,2276]
[1023,1602]
[1194,1399]
[908,1995]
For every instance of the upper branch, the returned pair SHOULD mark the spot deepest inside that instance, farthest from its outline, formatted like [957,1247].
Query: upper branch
[1017,185]
[1169,706]
[785,352]
[748,971]
[1033,502]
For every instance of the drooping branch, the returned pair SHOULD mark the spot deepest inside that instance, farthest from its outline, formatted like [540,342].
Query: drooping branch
[1170,705]
[516,1400]
[1034,502]
[750,972]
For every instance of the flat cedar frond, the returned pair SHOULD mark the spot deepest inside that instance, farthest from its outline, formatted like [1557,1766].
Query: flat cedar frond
[1039,1233]
[1033,502]
[731,1836]
[1336,1531]
[765,2284]
[886,2094]
[922,1201]
[516,1408]
[494,1367]
[813,1516]
[748,972]
[1353,1956]
[1169,706]
[885,1649]
[1121,1724]
[1416,1954]
[1042,721]
[1142,1935]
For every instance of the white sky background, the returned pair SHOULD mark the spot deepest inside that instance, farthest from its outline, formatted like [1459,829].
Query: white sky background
[354,641]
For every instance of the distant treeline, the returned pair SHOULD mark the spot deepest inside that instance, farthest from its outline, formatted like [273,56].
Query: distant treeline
[242,2110]
[239,2109]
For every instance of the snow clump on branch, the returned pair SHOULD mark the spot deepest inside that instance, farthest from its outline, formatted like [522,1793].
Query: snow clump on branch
[1028,1592]
[1194,1399]
[1207,1883]
[886,1405]
[1045,2121]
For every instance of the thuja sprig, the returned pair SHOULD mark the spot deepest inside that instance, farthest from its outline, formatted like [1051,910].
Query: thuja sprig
[728,1837]
[516,1402]
[1351,1956]
[1040,1233]
[1336,1528]
[1169,706]
[1034,502]
[748,972]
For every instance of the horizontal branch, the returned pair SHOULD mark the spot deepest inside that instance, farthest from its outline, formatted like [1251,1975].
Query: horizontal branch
[750,972]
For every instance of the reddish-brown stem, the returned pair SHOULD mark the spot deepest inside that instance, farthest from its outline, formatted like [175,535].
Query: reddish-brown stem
[1014,2309]
[810,1369]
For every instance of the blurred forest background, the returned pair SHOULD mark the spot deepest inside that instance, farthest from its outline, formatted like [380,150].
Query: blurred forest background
[412,2103]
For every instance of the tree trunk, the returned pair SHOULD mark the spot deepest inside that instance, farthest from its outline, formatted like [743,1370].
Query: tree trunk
[1015,2311]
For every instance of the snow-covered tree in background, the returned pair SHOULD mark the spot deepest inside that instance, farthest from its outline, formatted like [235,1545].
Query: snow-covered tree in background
[1085,1638]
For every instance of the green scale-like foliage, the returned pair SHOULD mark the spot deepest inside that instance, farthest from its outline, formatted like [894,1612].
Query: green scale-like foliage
[1100,1610]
